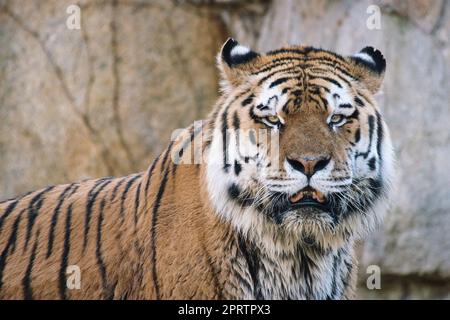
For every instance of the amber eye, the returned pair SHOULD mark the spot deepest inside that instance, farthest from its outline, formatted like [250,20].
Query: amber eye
[273,120]
[337,120]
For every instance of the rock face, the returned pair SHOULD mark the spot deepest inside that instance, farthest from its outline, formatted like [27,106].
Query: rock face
[104,99]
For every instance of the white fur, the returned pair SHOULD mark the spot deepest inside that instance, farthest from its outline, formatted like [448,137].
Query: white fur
[239,50]
[365,57]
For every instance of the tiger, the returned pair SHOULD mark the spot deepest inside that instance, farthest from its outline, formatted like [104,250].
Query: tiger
[264,199]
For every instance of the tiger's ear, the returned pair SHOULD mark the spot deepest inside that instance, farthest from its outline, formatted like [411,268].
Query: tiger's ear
[235,62]
[368,66]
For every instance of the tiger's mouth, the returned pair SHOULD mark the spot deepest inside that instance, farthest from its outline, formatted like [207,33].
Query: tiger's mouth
[310,197]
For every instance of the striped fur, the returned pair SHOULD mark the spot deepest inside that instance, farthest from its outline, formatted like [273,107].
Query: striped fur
[221,228]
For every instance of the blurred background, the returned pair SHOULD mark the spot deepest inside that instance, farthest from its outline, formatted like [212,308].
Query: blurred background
[102,99]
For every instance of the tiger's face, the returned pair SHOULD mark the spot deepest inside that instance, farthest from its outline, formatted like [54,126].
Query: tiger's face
[299,146]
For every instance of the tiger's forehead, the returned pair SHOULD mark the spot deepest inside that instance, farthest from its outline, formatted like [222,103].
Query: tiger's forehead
[299,76]
[304,57]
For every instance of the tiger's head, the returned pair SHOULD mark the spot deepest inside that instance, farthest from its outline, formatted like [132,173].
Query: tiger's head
[298,149]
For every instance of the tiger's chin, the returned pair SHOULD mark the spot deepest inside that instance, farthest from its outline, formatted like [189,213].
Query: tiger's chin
[307,203]
[323,220]
[317,219]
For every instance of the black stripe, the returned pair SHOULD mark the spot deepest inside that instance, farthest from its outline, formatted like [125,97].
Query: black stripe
[212,122]
[357,135]
[279,81]
[335,274]
[262,107]
[116,187]
[149,177]
[359,102]
[7,212]
[54,221]
[327,79]
[324,101]
[236,121]
[107,292]
[237,167]
[92,196]
[289,70]
[379,136]
[164,160]
[136,203]
[226,165]
[345,106]
[250,256]
[124,195]
[33,211]
[26,281]
[372,163]
[371,124]
[317,71]
[65,254]
[248,100]
[272,67]
[278,63]
[74,190]
[235,193]
[11,243]
[354,115]
[166,157]
[254,117]
[156,205]
[364,97]
[301,51]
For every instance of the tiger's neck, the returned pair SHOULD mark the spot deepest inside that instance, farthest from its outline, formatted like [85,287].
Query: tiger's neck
[302,274]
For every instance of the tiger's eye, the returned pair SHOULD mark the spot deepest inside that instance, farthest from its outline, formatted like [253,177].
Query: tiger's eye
[273,119]
[336,119]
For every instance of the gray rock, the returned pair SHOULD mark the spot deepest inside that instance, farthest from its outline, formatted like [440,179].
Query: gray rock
[102,100]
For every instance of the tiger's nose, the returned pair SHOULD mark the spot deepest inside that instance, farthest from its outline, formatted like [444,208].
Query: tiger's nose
[309,165]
